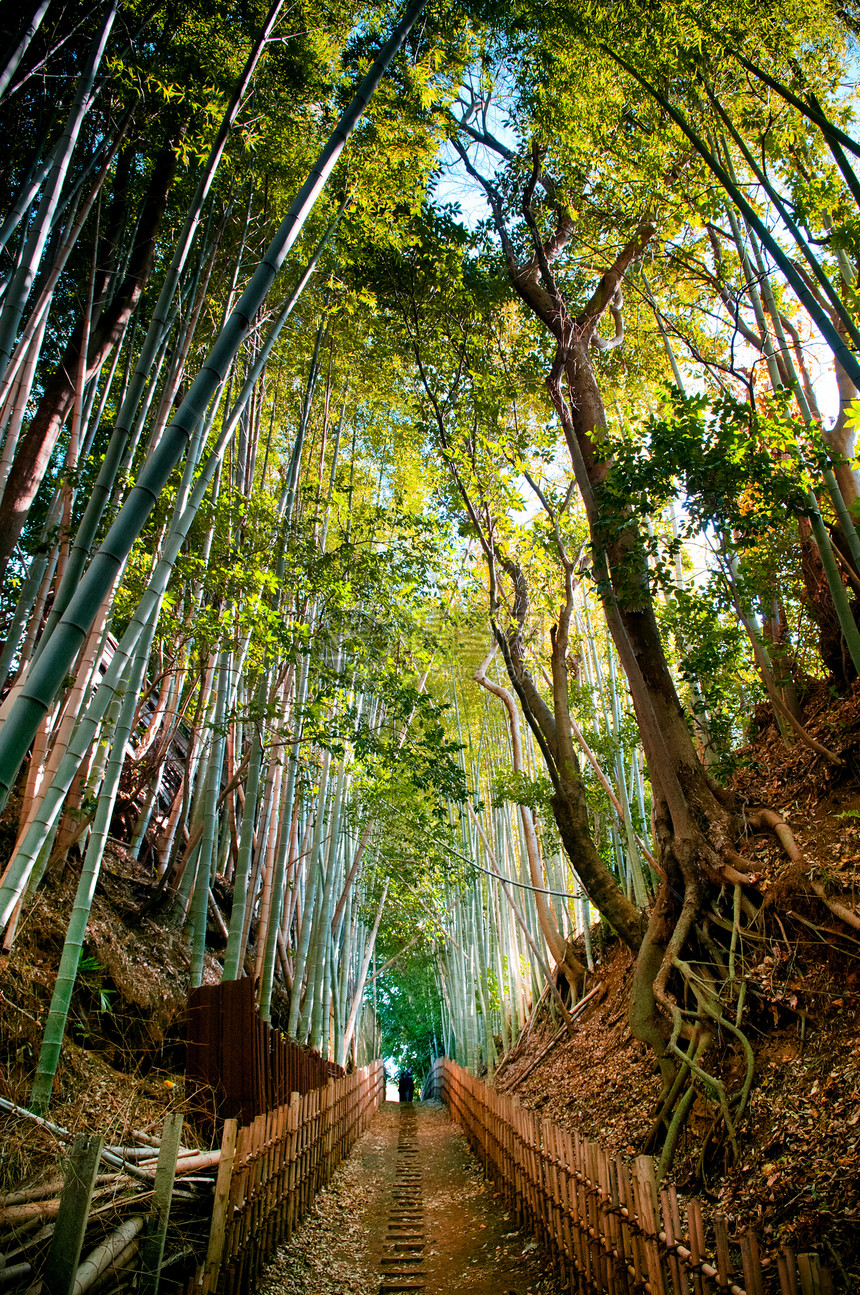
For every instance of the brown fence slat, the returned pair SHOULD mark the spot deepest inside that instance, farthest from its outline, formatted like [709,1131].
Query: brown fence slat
[238,1066]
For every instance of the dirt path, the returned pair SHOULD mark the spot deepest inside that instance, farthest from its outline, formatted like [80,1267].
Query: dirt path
[410,1213]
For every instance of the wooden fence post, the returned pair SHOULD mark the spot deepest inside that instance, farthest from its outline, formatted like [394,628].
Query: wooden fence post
[809,1270]
[64,1255]
[293,1162]
[787,1269]
[327,1166]
[165,1172]
[751,1264]
[217,1231]
[648,1220]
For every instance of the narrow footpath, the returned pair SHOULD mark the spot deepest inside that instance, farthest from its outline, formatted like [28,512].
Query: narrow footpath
[410,1211]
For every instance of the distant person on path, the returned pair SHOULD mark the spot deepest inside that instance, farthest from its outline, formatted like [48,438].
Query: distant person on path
[406,1085]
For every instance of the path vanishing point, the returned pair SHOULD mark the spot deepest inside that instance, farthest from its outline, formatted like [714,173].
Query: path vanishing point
[410,1211]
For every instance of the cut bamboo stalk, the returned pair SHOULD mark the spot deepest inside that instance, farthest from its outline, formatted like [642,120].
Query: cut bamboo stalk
[67,1241]
[153,1248]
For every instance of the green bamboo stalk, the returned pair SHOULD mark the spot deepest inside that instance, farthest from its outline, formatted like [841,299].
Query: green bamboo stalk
[13,59]
[231,422]
[76,931]
[233,956]
[203,880]
[849,528]
[29,343]
[20,284]
[16,878]
[158,330]
[325,941]
[273,845]
[309,907]
[836,303]
[847,623]
[29,600]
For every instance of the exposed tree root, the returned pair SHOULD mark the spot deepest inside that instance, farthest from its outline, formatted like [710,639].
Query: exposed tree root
[788,841]
[710,982]
[676,1127]
[844,914]
[714,979]
[768,818]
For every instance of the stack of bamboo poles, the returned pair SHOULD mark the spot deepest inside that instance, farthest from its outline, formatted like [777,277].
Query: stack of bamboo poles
[608,1229]
[271,1170]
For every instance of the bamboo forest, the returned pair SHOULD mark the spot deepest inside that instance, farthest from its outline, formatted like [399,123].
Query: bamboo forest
[430,636]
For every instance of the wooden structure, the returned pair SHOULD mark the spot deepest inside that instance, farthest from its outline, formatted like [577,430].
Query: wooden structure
[268,1173]
[270,1170]
[237,1066]
[607,1228]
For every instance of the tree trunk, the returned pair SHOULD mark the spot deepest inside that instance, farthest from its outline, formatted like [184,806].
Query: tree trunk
[695,829]
[831,644]
[568,800]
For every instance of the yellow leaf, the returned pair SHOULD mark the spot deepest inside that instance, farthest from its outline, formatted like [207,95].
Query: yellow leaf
[852,413]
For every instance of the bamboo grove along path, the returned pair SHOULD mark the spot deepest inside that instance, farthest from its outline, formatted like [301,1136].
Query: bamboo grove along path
[432,1226]
[608,1229]
[411,1213]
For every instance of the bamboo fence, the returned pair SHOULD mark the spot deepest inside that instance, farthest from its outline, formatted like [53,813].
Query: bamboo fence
[606,1228]
[268,1172]
[271,1169]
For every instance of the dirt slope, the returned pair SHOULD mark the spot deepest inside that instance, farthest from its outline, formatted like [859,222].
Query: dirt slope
[124,1055]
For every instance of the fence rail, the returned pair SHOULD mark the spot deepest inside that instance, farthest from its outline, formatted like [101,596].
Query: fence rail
[270,1171]
[608,1229]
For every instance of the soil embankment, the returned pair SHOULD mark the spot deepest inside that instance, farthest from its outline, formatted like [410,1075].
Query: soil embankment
[797,1180]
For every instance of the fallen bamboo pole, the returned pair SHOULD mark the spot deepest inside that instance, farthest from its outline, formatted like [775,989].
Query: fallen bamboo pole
[108,1254]
[47,1191]
[575,1012]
